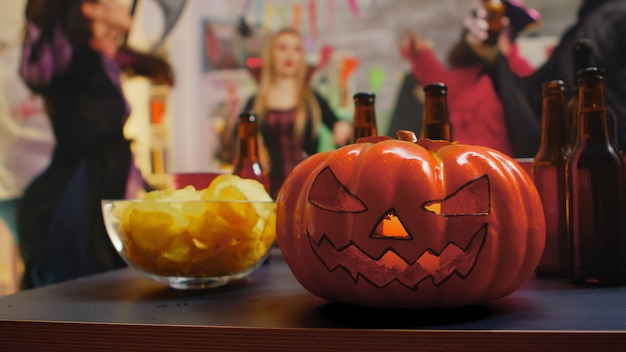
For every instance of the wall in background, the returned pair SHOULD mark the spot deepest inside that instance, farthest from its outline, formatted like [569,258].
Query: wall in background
[371,36]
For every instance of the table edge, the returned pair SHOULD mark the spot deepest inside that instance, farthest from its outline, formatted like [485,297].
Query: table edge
[25,335]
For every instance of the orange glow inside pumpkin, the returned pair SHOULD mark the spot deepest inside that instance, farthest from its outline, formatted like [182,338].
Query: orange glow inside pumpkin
[391,227]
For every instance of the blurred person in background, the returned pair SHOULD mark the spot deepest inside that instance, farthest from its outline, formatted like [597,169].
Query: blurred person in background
[26,138]
[73,56]
[408,109]
[476,113]
[288,111]
[603,22]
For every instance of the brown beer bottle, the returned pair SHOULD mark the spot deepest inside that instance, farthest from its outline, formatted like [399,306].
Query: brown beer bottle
[595,180]
[495,11]
[582,57]
[548,174]
[364,122]
[436,119]
[247,164]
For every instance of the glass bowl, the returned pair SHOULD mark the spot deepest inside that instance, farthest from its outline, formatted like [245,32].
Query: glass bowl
[191,244]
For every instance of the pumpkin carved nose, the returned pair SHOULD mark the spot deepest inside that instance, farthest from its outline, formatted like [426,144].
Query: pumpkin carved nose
[390,227]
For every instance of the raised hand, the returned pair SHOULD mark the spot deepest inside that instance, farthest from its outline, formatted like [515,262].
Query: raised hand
[477,33]
[110,21]
[412,44]
[342,133]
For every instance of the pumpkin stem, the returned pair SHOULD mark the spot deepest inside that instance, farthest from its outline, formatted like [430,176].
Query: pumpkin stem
[373,139]
[430,144]
[426,143]
[405,135]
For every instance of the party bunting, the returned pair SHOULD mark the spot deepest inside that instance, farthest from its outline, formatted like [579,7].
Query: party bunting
[354,8]
[326,52]
[313,17]
[282,16]
[258,13]
[377,77]
[297,16]
[269,17]
[330,14]
[348,66]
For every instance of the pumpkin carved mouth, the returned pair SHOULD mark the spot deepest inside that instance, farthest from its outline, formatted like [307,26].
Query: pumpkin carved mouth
[390,267]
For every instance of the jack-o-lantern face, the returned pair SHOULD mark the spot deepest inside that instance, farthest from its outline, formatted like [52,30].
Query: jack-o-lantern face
[472,199]
[399,224]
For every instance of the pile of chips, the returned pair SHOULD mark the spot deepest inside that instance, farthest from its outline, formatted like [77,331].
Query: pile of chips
[220,230]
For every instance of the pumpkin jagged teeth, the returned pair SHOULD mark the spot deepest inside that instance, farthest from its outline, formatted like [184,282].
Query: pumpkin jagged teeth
[392,267]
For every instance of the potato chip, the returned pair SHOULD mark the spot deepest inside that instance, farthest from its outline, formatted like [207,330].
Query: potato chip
[193,209]
[213,232]
[239,215]
[119,207]
[183,194]
[152,225]
[177,250]
[217,185]
[253,190]
[269,232]
[184,200]
[159,194]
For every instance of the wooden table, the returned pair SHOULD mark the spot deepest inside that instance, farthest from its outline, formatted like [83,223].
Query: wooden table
[270,311]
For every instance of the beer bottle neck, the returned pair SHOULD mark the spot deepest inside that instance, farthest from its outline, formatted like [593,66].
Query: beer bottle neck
[436,110]
[582,58]
[436,116]
[247,142]
[554,125]
[364,115]
[592,108]
[364,121]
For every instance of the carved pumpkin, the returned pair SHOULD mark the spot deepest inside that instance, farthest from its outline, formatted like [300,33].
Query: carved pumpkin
[394,223]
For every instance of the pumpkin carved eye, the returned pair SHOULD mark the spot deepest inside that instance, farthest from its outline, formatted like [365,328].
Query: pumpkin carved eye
[329,194]
[471,199]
